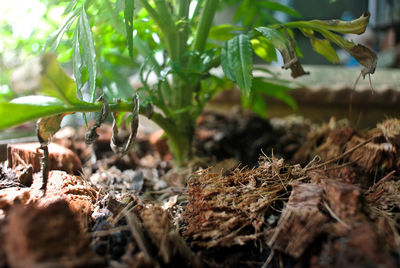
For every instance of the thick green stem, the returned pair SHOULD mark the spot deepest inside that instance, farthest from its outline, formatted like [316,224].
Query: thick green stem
[205,22]
[179,139]
[183,26]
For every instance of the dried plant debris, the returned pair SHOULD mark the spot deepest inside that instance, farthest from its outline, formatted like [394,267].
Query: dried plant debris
[334,139]
[230,210]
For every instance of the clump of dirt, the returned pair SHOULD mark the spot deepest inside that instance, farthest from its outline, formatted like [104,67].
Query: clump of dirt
[244,136]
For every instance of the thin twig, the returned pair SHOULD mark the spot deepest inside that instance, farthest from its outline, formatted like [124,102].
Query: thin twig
[269,259]
[103,233]
[342,155]
[381,181]
[343,165]
[335,216]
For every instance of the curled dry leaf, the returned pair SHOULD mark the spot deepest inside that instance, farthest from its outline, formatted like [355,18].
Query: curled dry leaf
[117,146]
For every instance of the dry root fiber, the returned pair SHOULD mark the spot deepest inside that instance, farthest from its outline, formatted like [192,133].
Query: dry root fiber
[230,210]
[335,138]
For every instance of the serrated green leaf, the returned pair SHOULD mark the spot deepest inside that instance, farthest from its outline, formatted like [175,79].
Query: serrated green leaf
[226,63]
[240,57]
[88,51]
[55,38]
[324,48]
[54,82]
[276,6]
[128,16]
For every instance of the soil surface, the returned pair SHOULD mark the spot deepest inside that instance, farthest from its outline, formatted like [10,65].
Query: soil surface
[282,192]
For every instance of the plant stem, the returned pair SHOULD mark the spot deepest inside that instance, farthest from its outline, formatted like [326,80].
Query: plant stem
[205,22]
[162,17]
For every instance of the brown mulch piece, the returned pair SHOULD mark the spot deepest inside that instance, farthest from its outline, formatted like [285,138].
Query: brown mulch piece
[28,154]
[46,235]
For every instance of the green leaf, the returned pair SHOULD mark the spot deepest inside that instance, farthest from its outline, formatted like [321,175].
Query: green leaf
[128,16]
[258,105]
[324,48]
[54,82]
[28,108]
[240,58]
[226,63]
[88,50]
[264,49]
[70,6]
[223,32]
[276,6]
[55,38]
[277,91]
[77,61]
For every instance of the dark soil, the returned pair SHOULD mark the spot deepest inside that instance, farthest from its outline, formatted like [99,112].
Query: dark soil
[262,193]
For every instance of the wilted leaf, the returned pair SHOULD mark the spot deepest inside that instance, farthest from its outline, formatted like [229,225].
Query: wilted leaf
[48,126]
[326,28]
[365,57]
[356,26]
[286,47]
